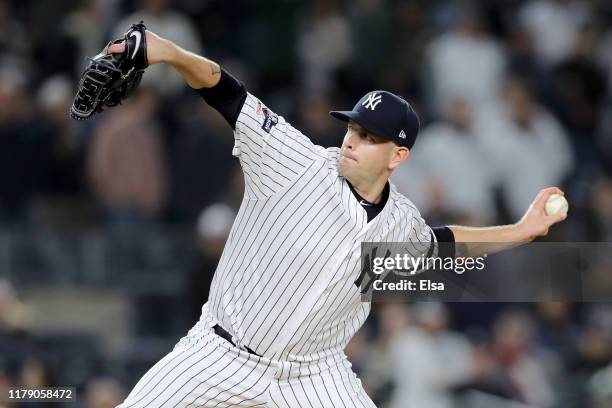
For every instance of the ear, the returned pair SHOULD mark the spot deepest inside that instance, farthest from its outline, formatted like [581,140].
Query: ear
[400,154]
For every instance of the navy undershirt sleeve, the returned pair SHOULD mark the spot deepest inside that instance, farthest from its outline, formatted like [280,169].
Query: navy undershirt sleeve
[227,97]
[445,235]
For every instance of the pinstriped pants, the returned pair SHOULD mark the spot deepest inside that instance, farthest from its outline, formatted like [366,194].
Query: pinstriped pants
[205,370]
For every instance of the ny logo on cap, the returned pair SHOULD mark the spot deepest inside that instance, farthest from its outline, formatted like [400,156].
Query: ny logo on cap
[372,100]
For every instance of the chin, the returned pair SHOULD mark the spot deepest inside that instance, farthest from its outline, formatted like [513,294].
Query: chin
[343,168]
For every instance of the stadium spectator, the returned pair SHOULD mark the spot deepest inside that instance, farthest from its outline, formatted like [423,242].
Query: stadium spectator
[465,61]
[520,360]
[200,132]
[376,368]
[126,166]
[594,354]
[578,92]
[86,27]
[555,329]
[66,171]
[429,360]
[324,46]
[552,26]
[25,148]
[461,190]
[528,146]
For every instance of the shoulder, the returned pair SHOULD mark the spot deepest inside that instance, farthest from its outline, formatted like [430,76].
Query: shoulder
[256,116]
[274,130]
[256,111]
[401,204]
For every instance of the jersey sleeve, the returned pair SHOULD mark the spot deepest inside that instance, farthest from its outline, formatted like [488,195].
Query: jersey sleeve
[272,153]
[425,241]
[423,236]
[438,242]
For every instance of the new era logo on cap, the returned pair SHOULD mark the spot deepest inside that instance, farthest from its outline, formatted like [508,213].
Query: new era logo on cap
[402,134]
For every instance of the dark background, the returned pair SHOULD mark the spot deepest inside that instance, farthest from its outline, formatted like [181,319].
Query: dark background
[110,229]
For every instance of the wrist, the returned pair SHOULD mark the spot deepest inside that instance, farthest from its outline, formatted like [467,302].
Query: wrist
[520,233]
[168,52]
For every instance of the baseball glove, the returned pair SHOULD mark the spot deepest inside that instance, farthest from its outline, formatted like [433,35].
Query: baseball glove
[110,78]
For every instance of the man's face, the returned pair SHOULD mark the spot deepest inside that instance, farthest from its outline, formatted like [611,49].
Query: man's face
[365,156]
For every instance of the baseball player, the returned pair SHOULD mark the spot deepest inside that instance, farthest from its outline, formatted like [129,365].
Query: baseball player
[284,302]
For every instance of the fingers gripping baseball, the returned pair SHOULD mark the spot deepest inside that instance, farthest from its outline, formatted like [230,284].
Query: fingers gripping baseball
[536,221]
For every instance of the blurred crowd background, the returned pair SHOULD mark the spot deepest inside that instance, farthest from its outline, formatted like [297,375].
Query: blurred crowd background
[110,229]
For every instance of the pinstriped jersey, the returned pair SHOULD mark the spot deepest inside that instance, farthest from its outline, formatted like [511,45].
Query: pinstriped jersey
[285,285]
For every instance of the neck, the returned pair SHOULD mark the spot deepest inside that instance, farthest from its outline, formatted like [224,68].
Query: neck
[370,191]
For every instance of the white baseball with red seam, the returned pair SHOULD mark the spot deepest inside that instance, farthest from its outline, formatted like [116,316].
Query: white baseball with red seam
[556,203]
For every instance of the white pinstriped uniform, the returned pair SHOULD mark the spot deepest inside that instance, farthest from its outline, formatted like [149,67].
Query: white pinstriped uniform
[285,284]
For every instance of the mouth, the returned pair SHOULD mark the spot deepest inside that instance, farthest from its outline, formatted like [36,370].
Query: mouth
[345,156]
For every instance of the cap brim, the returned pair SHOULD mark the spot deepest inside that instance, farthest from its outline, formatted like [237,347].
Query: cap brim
[345,116]
[342,115]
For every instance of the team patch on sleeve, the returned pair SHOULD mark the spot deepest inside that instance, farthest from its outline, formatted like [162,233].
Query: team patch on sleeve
[270,119]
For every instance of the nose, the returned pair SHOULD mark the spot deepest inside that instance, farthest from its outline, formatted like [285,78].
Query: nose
[349,141]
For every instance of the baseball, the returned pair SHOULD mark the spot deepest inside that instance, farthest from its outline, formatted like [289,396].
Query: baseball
[555,203]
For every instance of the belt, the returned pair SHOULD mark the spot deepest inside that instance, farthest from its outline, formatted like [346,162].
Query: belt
[221,332]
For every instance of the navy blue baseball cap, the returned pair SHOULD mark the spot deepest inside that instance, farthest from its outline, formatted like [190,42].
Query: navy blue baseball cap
[386,115]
